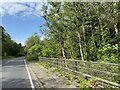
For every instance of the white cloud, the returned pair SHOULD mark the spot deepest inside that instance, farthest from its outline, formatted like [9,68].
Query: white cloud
[1,11]
[23,9]
[16,8]
[23,44]
[23,0]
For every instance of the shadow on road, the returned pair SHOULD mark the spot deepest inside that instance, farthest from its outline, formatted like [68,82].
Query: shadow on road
[16,83]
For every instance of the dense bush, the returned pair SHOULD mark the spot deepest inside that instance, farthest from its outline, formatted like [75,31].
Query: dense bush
[32,57]
[108,53]
[33,48]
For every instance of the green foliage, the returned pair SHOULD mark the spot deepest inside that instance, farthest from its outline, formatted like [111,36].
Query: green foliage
[33,48]
[84,32]
[50,48]
[109,53]
[10,47]
[89,31]
[32,57]
[31,41]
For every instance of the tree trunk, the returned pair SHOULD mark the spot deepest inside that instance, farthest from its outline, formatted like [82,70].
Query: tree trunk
[101,28]
[63,52]
[80,45]
[85,46]
[116,30]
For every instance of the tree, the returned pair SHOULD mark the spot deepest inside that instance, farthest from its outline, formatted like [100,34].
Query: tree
[33,47]
[50,48]
[85,30]
[10,47]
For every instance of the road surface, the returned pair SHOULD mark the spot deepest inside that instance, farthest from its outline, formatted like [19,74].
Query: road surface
[15,74]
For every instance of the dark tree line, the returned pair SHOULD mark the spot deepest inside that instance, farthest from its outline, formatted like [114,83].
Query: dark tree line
[10,47]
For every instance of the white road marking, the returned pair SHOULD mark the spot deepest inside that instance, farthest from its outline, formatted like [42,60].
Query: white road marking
[31,82]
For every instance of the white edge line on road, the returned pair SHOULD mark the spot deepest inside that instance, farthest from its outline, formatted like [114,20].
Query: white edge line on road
[31,82]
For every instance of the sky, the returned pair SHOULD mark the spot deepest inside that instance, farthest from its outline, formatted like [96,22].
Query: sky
[21,20]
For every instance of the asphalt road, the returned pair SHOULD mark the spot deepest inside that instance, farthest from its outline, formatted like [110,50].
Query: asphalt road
[14,74]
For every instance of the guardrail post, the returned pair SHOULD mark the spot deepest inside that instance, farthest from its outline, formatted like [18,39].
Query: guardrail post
[76,66]
[39,58]
[57,62]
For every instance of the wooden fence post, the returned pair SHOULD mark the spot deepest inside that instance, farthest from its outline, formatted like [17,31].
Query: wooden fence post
[57,62]
[76,66]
